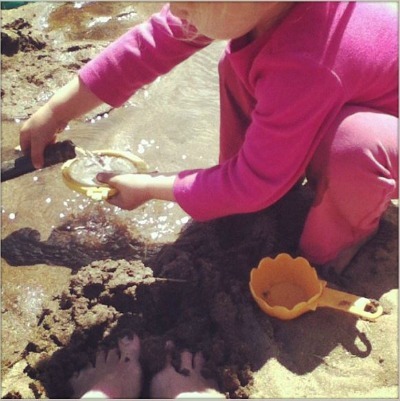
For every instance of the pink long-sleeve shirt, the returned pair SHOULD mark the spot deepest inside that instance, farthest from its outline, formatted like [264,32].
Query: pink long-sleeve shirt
[279,93]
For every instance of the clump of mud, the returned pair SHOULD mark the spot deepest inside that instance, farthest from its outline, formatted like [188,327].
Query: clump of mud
[17,36]
[193,291]
[80,240]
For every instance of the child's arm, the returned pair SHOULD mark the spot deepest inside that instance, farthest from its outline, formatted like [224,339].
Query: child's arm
[135,59]
[71,101]
[136,189]
[139,56]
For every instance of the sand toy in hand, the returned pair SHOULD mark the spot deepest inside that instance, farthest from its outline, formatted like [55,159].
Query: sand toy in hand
[80,173]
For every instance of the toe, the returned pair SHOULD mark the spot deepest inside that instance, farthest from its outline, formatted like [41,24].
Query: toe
[112,356]
[186,360]
[198,361]
[100,358]
[129,348]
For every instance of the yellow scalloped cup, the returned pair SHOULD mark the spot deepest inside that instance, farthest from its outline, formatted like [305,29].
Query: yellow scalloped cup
[286,287]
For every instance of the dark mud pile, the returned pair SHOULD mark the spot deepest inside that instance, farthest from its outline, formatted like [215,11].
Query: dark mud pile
[13,38]
[80,240]
[193,292]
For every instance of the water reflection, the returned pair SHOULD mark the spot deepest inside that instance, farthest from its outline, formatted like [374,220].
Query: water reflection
[23,300]
[24,293]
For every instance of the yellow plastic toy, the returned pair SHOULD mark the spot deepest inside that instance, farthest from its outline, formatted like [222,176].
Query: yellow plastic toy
[287,287]
[79,174]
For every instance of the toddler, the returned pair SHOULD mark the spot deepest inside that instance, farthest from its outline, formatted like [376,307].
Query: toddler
[306,90]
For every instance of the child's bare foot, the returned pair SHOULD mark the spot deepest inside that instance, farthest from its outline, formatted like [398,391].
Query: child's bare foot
[116,374]
[168,383]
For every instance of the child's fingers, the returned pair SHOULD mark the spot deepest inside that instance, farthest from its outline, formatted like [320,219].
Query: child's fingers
[116,200]
[37,155]
[105,178]
[25,144]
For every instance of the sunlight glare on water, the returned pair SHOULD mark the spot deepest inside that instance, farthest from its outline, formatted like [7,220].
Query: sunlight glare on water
[24,300]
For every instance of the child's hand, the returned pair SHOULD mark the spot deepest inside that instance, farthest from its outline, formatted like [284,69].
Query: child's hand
[69,102]
[38,132]
[136,189]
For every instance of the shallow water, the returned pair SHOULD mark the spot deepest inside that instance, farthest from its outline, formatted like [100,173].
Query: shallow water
[168,135]
[172,124]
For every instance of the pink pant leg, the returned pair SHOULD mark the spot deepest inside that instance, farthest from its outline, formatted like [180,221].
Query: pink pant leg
[354,172]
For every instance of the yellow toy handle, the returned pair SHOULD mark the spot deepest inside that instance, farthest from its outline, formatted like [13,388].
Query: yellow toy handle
[360,306]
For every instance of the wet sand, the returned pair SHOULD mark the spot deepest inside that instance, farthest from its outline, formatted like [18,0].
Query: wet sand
[74,283]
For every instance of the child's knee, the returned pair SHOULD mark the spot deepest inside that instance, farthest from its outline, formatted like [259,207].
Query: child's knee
[358,166]
[362,147]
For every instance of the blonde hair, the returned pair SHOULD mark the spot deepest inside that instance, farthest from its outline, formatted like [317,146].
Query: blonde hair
[204,12]
[210,14]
